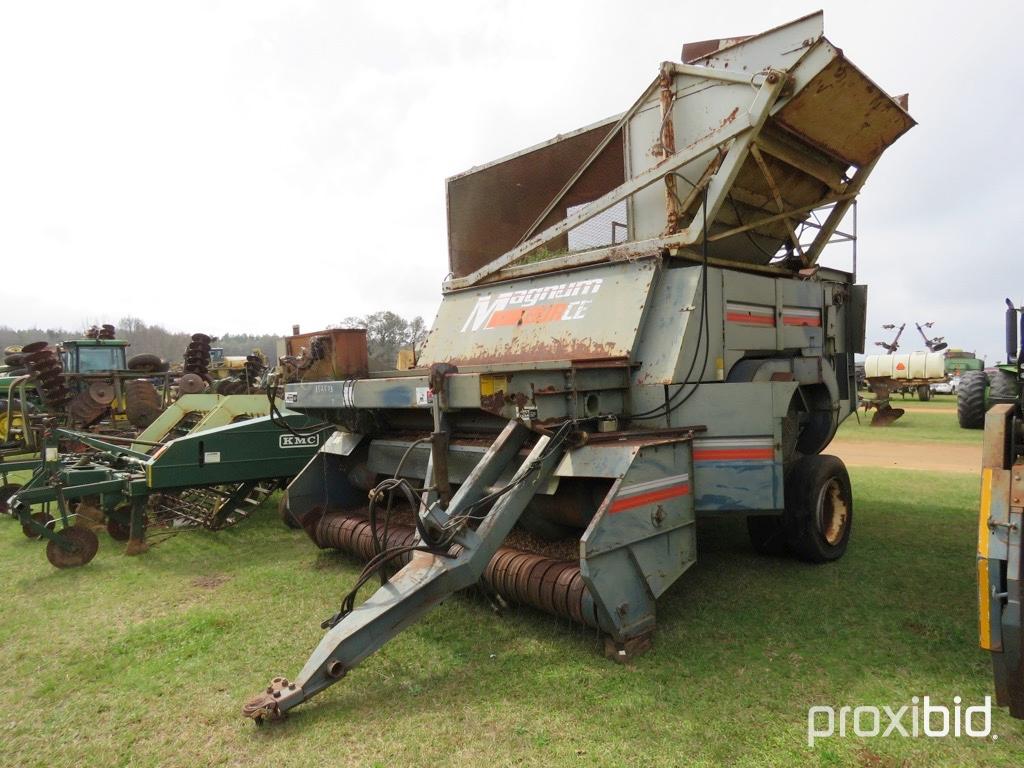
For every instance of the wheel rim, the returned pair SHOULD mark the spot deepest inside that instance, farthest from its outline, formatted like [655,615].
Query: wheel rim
[833,512]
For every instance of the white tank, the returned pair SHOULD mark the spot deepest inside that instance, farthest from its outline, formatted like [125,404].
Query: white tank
[915,365]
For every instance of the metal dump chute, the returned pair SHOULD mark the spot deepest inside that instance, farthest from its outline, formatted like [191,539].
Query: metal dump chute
[764,142]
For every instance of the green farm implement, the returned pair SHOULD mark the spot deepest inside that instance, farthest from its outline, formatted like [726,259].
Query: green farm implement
[205,462]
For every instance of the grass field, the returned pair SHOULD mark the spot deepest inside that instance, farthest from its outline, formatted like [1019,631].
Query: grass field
[931,422]
[146,661]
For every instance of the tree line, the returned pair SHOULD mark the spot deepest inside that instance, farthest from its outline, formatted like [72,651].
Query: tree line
[386,332]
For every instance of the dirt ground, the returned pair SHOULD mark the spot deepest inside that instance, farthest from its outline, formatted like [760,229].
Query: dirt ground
[937,457]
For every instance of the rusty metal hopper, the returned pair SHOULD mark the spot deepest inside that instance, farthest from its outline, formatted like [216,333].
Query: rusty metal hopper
[768,139]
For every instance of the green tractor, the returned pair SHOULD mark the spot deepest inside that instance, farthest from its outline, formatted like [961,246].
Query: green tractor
[1000,520]
[81,382]
[979,390]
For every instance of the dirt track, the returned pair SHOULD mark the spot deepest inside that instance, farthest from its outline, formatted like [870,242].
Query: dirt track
[935,457]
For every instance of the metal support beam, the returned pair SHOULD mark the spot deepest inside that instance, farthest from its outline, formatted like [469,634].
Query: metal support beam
[740,132]
[736,155]
[615,129]
[850,193]
[603,203]
[427,579]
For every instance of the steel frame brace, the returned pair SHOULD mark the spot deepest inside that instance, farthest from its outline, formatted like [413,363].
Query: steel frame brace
[427,579]
[740,132]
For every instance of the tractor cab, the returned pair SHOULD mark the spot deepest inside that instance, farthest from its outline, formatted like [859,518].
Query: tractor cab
[94,355]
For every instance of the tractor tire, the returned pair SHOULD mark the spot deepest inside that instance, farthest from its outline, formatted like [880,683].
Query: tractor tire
[924,393]
[85,411]
[1003,388]
[819,508]
[142,403]
[145,363]
[15,359]
[970,400]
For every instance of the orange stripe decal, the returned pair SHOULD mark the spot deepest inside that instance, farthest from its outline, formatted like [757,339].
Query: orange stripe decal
[543,313]
[733,454]
[738,317]
[630,502]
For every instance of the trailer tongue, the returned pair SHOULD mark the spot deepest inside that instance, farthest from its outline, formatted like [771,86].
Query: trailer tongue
[603,390]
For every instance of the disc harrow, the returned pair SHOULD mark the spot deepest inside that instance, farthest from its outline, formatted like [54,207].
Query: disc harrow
[46,370]
[197,356]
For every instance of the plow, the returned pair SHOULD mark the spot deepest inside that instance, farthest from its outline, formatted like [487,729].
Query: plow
[604,393]
[206,462]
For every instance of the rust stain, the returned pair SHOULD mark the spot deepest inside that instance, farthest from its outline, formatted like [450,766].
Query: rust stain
[730,118]
[493,403]
[517,351]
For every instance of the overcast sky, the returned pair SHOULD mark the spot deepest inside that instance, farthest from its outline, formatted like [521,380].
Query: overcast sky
[247,165]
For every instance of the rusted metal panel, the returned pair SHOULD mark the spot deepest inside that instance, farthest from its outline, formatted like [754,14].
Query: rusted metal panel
[344,353]
[589,314]
[843,113]
[778,48]
[491,208]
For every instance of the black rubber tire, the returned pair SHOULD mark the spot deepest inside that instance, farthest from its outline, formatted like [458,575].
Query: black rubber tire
[1003,387]
[767,534]
[14,359]
[970,400]
[84,411]
[142,403]
[819,508]
[924,393]
[145,362]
